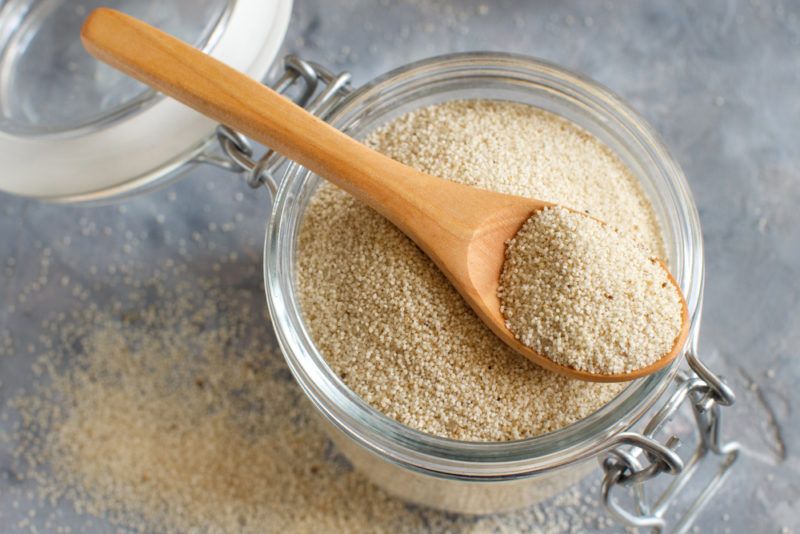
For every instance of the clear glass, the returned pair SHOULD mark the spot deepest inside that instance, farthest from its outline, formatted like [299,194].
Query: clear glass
[49,84]
[428,468]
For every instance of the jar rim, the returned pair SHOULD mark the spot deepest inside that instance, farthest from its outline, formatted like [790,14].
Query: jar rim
[441,456]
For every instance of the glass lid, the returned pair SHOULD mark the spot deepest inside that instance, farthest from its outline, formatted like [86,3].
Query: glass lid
[48,84]
[72,128]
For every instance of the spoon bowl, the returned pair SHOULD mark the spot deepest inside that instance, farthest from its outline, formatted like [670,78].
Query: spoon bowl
[463,229]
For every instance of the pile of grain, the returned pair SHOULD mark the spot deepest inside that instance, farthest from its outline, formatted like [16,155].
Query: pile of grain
[179,416]
[158,423]
[578,292]
[390,324]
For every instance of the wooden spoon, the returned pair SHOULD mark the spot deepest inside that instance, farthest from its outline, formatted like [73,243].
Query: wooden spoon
[463,229]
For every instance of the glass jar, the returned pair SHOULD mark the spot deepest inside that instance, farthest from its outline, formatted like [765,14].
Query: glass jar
[475,477]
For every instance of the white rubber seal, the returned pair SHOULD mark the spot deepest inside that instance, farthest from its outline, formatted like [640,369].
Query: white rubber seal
[147,145]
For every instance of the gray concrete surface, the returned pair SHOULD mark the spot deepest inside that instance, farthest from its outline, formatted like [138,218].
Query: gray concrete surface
[720,81]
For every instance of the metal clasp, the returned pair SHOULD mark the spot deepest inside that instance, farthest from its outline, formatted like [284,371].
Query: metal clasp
[636,458]
[321,90]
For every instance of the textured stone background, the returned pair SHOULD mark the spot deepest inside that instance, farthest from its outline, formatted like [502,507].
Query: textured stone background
[720,81]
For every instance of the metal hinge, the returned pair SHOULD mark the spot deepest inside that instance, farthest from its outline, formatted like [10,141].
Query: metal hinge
[319,92]
[637,458]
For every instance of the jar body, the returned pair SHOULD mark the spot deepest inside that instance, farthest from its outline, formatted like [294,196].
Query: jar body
[464,476]
[454,494]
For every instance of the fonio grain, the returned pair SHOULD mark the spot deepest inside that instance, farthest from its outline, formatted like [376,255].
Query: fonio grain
[581,294]
[389,323]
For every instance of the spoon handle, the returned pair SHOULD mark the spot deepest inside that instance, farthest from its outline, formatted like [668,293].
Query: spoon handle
[232,98]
